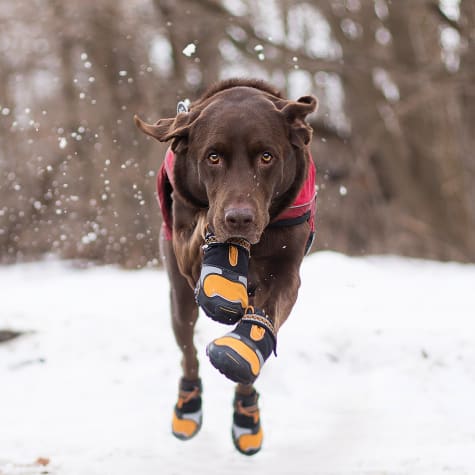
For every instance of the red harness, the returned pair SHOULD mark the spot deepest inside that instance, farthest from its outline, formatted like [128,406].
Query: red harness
[302,209]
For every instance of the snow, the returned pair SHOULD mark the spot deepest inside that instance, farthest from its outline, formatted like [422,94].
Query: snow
[189,50]
[375,374]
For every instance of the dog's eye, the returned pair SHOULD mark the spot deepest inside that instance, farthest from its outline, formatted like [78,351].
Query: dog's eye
[266,157]
[214,158]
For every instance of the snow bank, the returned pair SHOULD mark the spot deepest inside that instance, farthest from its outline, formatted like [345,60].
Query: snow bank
[375,374]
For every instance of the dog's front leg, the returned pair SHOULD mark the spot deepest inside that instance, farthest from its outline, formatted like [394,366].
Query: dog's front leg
[277,293]
[276,272]
[274,280]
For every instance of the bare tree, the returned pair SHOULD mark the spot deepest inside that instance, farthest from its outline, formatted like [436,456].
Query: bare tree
[393,142]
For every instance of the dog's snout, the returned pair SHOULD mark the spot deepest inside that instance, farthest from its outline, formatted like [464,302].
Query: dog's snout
[239,217]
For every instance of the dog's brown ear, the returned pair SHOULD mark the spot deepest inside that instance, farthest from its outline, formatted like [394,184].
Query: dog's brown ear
[166,129]
[295,113]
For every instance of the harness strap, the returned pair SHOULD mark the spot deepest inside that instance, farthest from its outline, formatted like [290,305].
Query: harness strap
[291,221]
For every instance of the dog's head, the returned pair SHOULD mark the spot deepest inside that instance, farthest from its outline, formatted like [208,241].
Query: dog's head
[240,152]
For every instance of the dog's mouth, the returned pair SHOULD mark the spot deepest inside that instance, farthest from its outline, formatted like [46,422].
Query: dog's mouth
[251,237]
[224,232]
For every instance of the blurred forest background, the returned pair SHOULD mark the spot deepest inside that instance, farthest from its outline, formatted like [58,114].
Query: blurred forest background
[394,135]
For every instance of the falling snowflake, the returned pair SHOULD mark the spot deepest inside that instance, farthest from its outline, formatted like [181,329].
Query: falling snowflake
[189,49]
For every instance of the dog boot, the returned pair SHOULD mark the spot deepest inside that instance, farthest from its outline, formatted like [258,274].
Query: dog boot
[247,431]
[240,354]
[187,415]
[221,290]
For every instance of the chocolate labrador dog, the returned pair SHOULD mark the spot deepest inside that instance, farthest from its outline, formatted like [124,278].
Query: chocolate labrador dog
[237,195]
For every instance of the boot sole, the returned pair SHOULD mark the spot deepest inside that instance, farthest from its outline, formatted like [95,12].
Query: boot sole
[230,363]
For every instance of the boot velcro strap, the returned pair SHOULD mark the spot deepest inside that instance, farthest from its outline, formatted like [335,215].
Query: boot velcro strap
[240,242]
[264,322]
[210,239]
[259,320]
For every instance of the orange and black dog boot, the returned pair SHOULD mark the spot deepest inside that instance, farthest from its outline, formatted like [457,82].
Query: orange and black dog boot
[187,414]
[240,354]
[221,290]
[247,431]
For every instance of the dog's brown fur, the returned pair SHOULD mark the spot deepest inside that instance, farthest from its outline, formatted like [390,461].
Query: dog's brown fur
[237,120]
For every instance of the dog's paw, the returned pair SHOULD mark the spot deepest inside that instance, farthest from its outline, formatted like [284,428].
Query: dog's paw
[246,430]
[240,354]
[187,414]
[222,288]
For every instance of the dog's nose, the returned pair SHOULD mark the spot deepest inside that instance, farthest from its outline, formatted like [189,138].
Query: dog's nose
[238,217]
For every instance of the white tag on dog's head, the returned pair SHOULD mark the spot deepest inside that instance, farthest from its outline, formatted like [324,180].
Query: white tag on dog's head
[183,106]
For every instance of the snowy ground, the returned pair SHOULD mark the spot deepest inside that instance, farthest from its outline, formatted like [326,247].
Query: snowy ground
[375,374]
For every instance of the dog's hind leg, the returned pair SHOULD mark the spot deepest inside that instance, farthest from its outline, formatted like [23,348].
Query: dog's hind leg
[184,311]
[246,428]
[187,415]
